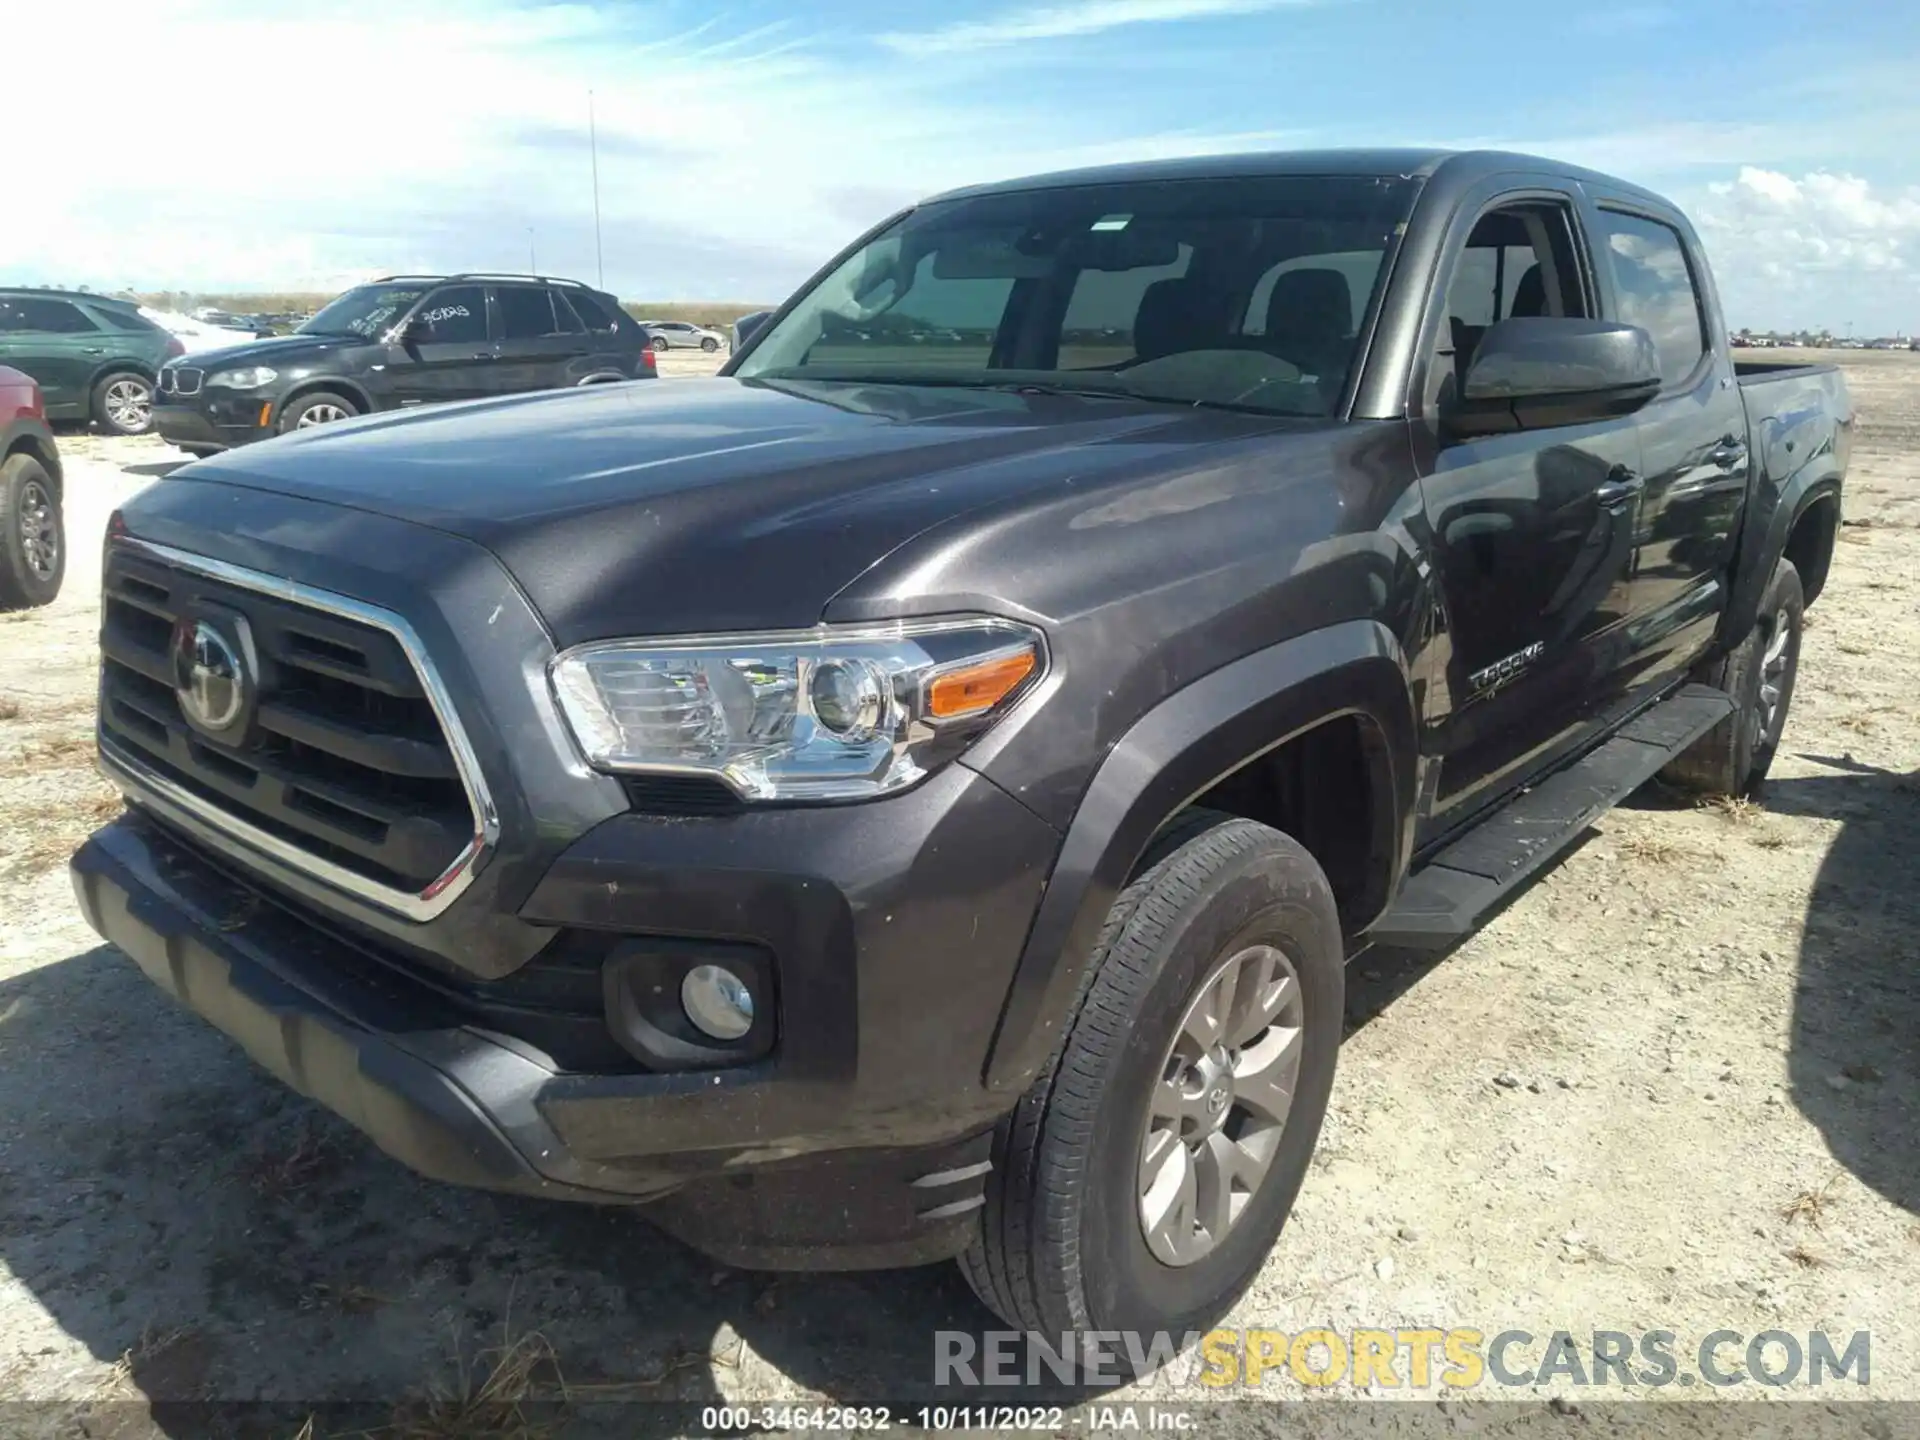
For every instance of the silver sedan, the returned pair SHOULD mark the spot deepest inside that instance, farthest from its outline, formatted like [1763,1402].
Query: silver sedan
[679,335]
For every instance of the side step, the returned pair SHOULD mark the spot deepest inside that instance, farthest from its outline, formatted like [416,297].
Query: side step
[1443,902]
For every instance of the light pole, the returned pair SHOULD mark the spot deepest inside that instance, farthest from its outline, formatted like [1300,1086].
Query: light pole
[593,151]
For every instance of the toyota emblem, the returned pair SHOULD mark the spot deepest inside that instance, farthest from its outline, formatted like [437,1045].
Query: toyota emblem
[208,676]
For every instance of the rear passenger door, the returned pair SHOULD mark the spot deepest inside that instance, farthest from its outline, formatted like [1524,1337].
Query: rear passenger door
[1532,532]
[1693,437]
[539,341]
[58,344]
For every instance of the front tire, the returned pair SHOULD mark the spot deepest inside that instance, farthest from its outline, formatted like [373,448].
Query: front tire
[33,540]
[709,344]
[1733,758]
[123,403]
[322,407]
[1142,1180]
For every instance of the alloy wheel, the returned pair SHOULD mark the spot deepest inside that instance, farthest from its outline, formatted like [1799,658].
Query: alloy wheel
[39,531]
[1774,665]
[129,405]
[1221,1104]
[322,414]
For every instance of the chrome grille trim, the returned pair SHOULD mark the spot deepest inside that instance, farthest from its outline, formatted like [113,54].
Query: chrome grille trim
[144,786]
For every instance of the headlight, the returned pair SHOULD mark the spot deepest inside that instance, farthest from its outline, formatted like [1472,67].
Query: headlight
[247,377]
[836,713]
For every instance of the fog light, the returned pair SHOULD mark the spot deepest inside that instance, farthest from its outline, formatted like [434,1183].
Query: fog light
[717,1001]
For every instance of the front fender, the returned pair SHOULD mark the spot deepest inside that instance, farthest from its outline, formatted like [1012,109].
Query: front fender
[1173,753]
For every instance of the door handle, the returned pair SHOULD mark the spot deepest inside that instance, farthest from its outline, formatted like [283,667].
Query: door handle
[1729,452]
[92,350]
[1622,485]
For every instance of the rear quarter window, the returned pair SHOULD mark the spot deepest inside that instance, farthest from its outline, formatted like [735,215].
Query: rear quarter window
[1654,289]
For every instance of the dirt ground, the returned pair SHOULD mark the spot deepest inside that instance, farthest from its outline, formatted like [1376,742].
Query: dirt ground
[1673,1087]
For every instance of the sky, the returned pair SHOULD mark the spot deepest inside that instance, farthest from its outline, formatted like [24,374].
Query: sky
[237,145]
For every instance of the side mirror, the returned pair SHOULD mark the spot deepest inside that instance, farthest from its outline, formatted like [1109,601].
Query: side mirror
[1535,372]
[409,333]
[747,326]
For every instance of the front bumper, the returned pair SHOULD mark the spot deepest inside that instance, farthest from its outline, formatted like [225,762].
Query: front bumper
[861,1141]
[208,422]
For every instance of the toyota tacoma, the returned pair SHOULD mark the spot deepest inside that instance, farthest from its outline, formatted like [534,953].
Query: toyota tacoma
[914,794]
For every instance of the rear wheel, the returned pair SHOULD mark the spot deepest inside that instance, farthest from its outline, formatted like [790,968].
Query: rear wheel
[1733,758]
[659,343]
[1142,1180]
[33,544]
[123,403]
[322,407]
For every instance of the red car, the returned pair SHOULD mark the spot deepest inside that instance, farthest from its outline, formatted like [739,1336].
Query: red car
[33,548]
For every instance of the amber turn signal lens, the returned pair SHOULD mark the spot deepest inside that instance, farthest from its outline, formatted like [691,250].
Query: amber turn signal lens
[978,687]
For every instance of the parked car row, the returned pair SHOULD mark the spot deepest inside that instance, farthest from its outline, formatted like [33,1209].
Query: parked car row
[212,380]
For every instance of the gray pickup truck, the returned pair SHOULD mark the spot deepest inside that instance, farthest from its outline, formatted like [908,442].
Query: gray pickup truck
[915,794]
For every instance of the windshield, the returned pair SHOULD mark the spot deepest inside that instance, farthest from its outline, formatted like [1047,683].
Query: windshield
[364,310]
[1248,293]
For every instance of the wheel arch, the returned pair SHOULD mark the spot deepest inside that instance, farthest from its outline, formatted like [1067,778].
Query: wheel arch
[40,445]
[1345,685]
[338,384]
[121,366]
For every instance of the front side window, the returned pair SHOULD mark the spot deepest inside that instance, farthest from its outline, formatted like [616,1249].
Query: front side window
[456,315]
[1246,293]
[1655,290]
[1519,261]
[34,315]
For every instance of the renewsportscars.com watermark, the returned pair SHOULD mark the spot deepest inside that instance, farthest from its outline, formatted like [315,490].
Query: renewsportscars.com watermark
[1401,1358]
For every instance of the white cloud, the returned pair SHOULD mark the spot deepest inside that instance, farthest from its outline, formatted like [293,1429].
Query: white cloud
[1818,249]
[1057,22]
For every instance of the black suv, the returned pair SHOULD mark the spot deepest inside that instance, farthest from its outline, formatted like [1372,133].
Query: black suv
[403,341]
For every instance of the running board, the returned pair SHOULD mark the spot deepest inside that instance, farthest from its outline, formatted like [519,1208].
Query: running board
[1443,902]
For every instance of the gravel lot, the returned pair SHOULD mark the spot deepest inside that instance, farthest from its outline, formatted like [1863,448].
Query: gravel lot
[1672,1087]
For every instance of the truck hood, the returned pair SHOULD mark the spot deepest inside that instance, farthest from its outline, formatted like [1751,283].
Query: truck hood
[663,507]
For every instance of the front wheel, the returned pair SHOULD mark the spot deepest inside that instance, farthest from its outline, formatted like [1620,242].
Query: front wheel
[709,344]
[1142,1180]
[1733,758]
[322,407]
[123,404]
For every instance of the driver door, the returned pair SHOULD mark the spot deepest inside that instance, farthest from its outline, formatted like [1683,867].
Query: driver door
[447,352]
[1532,532]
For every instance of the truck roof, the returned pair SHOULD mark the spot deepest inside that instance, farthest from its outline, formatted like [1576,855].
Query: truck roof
[1461,166]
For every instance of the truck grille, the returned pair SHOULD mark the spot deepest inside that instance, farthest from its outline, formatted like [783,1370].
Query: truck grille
[343,759]
[181,380]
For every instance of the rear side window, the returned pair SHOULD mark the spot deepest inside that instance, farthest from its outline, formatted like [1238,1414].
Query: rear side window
[525,313]
[1656,290]
[602,316]
[456,315]
[34,314]
[126,320]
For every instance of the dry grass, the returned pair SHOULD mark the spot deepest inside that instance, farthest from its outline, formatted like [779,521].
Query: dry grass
[1653,850]
[1811,1205]
[1805,1258]
[491,1396]
[282,1173]
[1735,809]
[151,1347]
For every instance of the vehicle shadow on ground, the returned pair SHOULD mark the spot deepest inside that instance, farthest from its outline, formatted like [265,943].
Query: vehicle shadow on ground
[156,469]
[167,1202]
[1854,1056]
